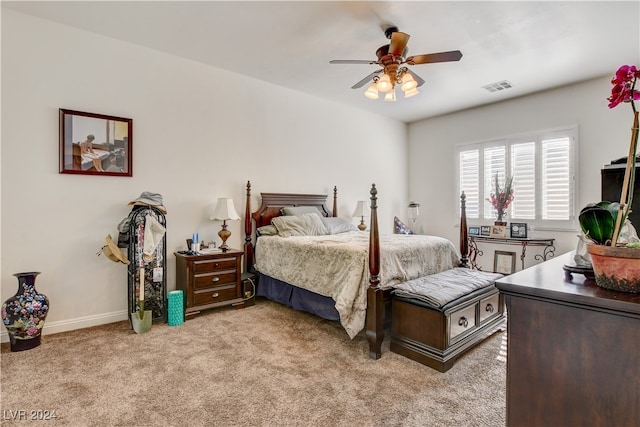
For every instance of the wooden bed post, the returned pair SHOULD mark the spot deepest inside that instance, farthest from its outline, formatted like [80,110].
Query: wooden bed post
[335,201]
[248,230]
[375,297]
[464,238]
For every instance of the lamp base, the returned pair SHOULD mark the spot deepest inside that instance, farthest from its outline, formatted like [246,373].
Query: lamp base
[362,226]
[224,234]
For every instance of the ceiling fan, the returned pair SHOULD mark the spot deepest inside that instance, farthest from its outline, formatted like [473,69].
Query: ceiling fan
[392,57]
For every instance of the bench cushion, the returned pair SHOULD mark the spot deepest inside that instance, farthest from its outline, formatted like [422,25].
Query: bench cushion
[437,290]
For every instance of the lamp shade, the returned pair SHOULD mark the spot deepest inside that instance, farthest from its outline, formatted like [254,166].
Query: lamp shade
[224,210]
[361,209]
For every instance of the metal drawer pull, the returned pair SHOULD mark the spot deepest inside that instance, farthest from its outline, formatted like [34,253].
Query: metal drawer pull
[463,322]
[489,308]
[215,295]
[215,279]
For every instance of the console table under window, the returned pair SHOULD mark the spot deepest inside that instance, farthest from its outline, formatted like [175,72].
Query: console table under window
[548,251]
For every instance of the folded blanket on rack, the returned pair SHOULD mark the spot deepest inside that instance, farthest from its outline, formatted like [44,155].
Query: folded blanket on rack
[441,288]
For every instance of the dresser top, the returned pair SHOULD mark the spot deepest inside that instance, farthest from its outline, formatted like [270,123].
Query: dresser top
[547,281]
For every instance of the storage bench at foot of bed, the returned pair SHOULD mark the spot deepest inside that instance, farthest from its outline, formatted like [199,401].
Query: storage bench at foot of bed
[437,336]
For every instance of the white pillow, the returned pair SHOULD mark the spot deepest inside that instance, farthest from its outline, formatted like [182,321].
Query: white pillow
[336,225]
[299,210]
[299,225]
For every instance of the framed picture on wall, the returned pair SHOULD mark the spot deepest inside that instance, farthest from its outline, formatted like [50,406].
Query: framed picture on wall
[504,262]
[518,230]
[485,230]
[474,231]
[95,144]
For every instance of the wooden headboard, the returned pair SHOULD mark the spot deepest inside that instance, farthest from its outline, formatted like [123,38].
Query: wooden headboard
[271,204]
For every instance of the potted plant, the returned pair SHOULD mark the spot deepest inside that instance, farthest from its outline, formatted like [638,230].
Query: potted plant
[616,260]
[501,197]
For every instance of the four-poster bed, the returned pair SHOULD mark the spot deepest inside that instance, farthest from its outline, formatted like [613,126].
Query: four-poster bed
[371,295]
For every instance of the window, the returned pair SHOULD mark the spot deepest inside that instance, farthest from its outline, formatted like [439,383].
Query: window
[543,166]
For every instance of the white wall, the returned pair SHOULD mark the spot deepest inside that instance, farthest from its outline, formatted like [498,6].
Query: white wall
[604,135]
[198,133]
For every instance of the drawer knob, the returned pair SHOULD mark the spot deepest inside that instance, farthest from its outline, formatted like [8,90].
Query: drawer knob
[215,295]
[489,308]
[463,322]
[215,279]
[216,264]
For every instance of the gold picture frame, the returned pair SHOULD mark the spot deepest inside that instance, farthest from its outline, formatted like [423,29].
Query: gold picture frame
[498,231]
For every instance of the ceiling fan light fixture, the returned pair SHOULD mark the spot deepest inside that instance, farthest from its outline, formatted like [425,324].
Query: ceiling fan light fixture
[408,82]
[411,92]
[372,92]
[384,84]
[390,96]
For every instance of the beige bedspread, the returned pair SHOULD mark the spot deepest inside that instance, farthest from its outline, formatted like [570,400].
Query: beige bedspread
[336,265]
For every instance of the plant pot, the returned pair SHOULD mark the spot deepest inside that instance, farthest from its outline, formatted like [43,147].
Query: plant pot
[616,268]
[141,325]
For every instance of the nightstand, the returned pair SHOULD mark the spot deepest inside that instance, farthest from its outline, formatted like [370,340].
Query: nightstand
[211,280]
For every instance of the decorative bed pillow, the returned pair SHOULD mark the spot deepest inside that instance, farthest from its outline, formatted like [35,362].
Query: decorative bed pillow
[267,230]
[308,224]
[336,225]
[299,210]
[399,227]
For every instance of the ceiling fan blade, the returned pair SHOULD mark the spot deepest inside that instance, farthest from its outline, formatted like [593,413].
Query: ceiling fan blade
[398,43]
[453,55]
[351,61]
[365,80]
[416,77]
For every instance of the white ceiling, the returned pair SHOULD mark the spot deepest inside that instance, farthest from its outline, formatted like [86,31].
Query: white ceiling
[534,45]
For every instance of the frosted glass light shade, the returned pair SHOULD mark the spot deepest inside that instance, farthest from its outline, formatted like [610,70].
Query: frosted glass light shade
[372,92]
[384,84]
[390,96]
[408,82]
[410,93]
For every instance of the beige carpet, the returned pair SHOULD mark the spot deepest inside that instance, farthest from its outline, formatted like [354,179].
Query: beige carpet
[265,365]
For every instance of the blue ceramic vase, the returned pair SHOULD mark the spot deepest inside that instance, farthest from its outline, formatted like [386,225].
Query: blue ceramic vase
[24,313]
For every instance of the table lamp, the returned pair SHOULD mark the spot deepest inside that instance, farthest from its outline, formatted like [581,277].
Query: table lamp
[361,211]
[224,211]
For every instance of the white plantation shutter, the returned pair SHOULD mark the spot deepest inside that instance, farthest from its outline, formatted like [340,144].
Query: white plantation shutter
[469,181]
[543,170]
[523,170]
[494,162]
[556,179]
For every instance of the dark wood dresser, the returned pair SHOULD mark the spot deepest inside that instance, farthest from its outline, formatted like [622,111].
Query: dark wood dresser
[573,350]
[210,281]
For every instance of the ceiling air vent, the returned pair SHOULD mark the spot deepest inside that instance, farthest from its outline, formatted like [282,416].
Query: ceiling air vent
[498,86]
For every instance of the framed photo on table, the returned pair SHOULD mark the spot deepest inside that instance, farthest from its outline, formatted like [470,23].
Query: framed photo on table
[485,230]
[95,144]
[518,230]
[498,231]
[474,231]
[504,262]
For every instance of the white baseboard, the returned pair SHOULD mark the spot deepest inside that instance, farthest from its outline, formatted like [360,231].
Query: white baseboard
[73,324]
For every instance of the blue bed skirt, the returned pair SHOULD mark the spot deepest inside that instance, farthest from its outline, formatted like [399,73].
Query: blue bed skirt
[297,298]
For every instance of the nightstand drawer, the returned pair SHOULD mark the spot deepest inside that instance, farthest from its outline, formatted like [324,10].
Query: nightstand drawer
[210,265]
[206,281]
[211,296]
